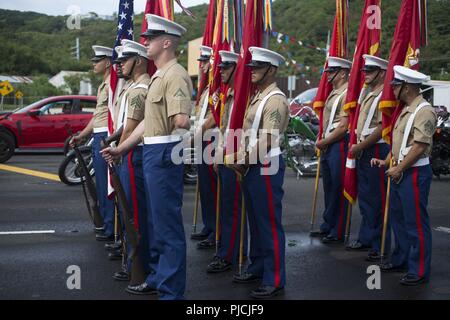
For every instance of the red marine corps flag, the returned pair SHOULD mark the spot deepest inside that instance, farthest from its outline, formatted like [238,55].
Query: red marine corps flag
[252,36]
[207,41]
[368,42]
[410,34]
[338,48]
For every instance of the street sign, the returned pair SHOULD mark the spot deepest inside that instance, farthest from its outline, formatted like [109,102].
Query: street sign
[291,83]
[19,95]
[6,88]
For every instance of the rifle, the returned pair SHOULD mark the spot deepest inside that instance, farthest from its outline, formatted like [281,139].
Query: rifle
[86,179]
[137,274]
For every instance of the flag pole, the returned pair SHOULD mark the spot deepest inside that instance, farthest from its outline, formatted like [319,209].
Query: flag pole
[348,223]
[386,214]
[197,196]
[242,231]
[316,188]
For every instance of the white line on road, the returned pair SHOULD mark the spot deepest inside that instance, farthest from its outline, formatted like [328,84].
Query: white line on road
[443,229]
[26,232]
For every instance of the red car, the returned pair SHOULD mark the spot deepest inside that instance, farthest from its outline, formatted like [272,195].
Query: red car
[43,124]
[303,103]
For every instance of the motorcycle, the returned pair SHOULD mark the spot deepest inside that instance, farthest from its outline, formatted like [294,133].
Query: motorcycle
[299,142]
[440,154]
[70,172]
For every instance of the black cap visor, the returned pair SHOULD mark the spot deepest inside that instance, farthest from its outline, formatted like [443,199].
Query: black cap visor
[370,68]
[258,64]
[226,64]
[98,58]
[397,82]
[156,33]
[204,58]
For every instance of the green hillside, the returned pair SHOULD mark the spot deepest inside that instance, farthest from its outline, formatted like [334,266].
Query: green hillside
[33,44]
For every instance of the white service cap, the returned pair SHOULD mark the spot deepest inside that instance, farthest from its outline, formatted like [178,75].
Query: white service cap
[406,75]
[157,25]
[228,58]
[101,52]
[371,62]
[265,55]
[335,63]
[133,48]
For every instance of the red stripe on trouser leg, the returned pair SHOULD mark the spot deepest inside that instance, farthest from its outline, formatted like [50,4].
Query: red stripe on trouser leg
[213,181]
[419,222]
[273,225]
[342,198]
[235,222]
[134,200]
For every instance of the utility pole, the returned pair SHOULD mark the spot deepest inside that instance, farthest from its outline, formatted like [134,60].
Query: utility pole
[76,52]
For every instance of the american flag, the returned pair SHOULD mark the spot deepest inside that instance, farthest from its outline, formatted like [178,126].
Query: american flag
[124,31]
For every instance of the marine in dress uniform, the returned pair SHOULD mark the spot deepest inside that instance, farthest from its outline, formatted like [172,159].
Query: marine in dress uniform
[207,177]
[99,126]
[334,146]
[230,198]
[371,180]
[411,176]
[167,110]
[131,105]
[263,181]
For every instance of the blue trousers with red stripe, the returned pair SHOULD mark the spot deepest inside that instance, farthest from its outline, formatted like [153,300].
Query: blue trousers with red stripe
[164,190]
[207,180]
[371,197]
[410,221]
[132,178]
[333,168]
[263,196]
[105,205]
[230,216]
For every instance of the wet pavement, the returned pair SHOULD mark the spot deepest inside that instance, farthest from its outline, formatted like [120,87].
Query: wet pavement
[34,266]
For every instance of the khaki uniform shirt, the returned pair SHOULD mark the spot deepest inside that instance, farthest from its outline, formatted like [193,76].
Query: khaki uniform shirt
[364,113]
[101,111]
[340,113]
[118,101]
[275,115]
[169,94]
[136,98]
[226,116]
[422,129]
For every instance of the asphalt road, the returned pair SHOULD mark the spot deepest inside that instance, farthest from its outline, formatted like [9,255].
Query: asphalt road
[34,266]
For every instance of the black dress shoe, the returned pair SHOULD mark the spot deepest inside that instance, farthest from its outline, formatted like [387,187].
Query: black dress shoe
[206,244]
[246,278]
[318,234]
[412,280]
[374,256]
[104,237]
[99,230]
[141,289]
[265,292]
[218,265]
[357,246]
[121,276]
[389,267]
[199,236]
[115,255]
[330,240]
[113,246]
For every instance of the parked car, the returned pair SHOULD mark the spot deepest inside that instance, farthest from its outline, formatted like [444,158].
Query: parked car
[44,124]
[303,103]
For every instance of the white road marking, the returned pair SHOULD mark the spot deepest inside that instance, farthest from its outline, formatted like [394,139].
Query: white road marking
[443,229]
[26,232]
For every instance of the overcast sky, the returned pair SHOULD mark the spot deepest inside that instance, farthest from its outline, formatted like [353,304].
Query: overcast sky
[60,7]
